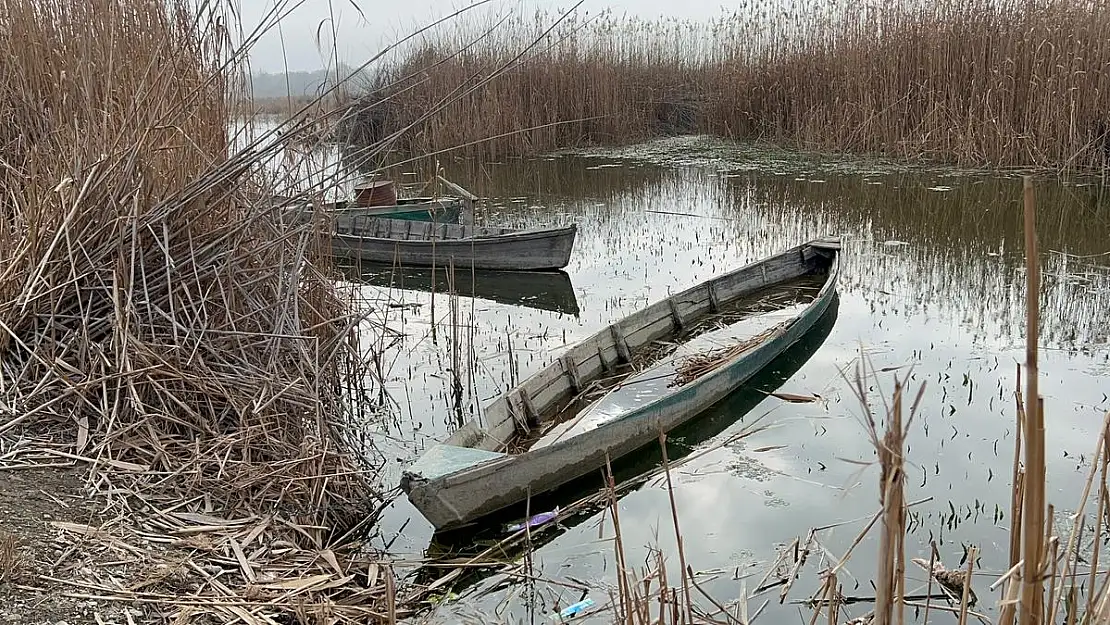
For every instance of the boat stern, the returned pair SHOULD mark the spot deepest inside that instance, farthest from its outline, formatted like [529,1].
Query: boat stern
[566,247]
[424,484]
[441,460]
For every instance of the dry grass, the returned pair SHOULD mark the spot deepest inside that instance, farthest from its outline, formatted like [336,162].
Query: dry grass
[145,299]
[155,324]
[695,366]
[190,567]
[534,83]
[1005,83]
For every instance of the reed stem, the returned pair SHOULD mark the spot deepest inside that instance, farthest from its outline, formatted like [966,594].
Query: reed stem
[1034,499]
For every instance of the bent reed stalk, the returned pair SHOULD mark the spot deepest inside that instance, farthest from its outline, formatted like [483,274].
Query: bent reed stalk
[981,83]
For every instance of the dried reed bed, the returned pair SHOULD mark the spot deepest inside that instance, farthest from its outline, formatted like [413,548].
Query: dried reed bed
[538,83]
[156,325]
[981,82]
[994,83]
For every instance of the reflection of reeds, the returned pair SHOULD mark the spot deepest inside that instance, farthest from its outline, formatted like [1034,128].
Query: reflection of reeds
[1034,556]
[964,244]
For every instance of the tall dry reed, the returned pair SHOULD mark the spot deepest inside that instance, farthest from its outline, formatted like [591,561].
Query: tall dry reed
[536,84]
[146,302]
[986,82]
[981,82]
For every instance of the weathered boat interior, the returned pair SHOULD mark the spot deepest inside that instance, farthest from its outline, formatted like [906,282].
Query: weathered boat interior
[665,364]
[522,415]
[348,205]
[343,213]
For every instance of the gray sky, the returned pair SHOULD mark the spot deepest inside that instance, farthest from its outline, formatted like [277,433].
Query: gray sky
[388,20]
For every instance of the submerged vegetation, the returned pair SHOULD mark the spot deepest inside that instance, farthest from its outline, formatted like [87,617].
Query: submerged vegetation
[988,83]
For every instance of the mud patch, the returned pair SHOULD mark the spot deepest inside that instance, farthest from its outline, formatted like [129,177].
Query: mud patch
[31,501]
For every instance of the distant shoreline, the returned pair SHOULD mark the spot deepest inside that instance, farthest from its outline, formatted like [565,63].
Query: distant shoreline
[271,85]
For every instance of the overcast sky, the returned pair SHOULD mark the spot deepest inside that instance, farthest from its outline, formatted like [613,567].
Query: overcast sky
[387,20]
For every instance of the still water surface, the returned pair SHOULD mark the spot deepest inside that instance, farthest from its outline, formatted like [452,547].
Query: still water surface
[932,289]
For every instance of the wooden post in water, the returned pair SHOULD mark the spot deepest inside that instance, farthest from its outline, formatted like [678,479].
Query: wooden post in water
[1033,522]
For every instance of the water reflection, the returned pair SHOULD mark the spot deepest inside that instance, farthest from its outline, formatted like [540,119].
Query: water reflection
[540,290]
[964,242]
[932,286]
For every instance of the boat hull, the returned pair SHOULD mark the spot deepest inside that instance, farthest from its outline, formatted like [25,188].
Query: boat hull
[461,496]
[526,250]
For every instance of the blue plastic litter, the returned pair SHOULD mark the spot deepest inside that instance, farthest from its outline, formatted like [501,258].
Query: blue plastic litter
[535,521]
[576,608]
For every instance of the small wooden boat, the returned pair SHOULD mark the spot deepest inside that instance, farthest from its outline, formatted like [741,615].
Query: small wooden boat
[438,210]
[472,542]
[538,436]
[426,244]
[539,290]
[450,209]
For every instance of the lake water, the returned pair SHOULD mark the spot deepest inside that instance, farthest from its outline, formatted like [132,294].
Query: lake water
[932,288]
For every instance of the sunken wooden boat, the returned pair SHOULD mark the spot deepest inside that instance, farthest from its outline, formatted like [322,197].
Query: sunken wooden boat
[543,433]
[426,244]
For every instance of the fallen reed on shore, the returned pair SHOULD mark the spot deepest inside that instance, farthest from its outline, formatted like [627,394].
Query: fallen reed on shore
[975,83]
